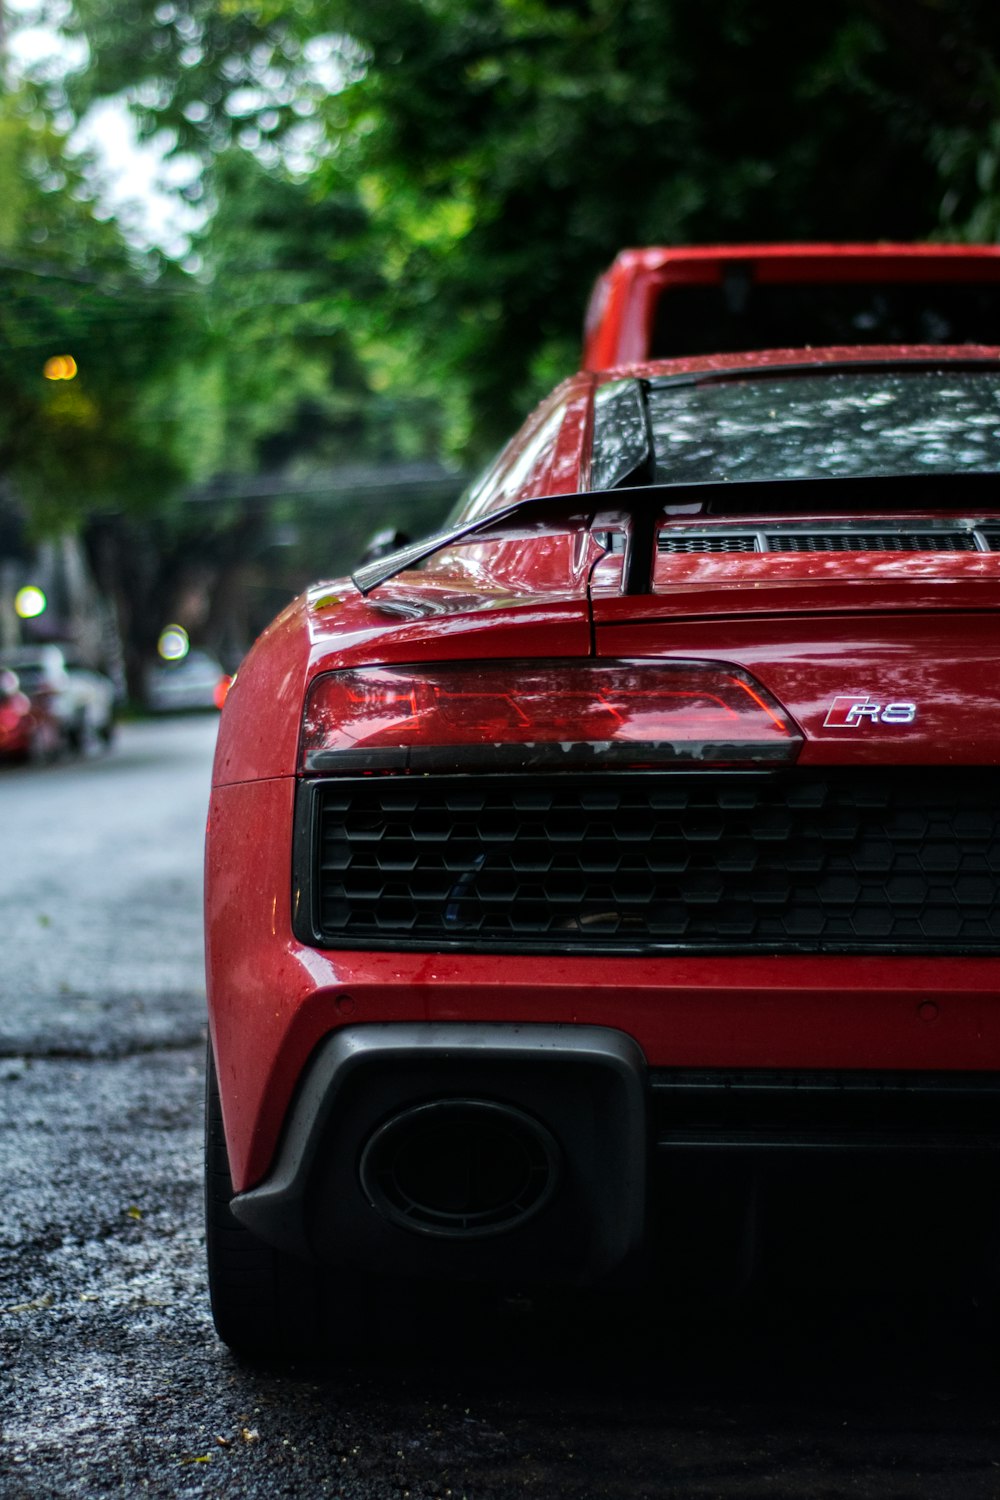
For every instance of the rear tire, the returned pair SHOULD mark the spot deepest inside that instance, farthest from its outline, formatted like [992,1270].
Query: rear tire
[77,735]
[265,1304]
[46,745]
[106,733]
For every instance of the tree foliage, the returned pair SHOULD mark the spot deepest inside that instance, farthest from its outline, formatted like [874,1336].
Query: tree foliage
[71,287]
[496,153]
[406,204]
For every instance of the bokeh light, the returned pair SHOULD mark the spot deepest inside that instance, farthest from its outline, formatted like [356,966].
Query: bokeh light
[60,367]
[30,602]
[174,643]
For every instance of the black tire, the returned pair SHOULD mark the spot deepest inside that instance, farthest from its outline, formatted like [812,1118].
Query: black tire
[76,736]
[46,745]
[265,1304]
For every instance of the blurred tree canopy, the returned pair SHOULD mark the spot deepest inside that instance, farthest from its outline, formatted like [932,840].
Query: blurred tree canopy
[405,205]
[478,161]
[71,287]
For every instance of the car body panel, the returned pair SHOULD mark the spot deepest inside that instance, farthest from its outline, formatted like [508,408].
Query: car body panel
[548,456]
[918,632]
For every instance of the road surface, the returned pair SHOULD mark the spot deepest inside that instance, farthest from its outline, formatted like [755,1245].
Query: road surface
[112,1381]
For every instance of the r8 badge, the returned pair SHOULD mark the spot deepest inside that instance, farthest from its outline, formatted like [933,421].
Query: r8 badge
[849,710]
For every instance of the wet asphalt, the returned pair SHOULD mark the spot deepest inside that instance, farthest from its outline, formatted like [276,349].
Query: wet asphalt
[112,1381]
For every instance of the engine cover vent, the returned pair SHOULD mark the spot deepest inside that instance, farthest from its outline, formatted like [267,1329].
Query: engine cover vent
[846,538]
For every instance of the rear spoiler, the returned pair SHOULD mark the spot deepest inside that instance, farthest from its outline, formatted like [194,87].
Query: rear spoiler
[645,506]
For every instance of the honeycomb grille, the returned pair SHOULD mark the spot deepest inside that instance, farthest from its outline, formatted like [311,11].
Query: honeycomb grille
[684,545]
[804,539]
[873,541]
[876,861]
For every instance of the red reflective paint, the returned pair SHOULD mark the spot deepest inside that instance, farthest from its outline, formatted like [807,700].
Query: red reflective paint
[784,645]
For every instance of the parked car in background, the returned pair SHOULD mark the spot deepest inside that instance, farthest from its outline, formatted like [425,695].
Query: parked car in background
[664,302]
[24,733]
[615,876]
[78,701]
[196,681]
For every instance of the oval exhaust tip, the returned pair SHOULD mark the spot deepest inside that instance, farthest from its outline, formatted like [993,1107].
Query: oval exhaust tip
[460,1168]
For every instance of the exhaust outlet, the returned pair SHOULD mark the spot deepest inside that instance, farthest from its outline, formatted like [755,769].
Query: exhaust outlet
[460,1168]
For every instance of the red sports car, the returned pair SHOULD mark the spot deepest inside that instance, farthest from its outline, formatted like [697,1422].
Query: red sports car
[582,880]
[665,301]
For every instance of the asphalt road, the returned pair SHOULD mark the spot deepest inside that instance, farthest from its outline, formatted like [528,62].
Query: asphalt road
[112,1381]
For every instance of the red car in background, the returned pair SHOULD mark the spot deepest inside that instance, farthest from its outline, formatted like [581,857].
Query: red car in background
[28,730]
[663,302]
[17,724]
[73,706]
[617,873]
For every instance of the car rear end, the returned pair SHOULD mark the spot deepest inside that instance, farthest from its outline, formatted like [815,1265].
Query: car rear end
[664,912]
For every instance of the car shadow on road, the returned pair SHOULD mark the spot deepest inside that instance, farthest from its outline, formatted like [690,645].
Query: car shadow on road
[783,1393]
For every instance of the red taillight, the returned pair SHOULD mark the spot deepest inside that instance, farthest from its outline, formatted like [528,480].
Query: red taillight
[221,690]
[556,714]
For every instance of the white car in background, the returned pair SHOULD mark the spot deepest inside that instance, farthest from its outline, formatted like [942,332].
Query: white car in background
[79,700]
[197,680]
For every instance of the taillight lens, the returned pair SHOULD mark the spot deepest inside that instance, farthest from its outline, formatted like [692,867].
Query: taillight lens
[556,714]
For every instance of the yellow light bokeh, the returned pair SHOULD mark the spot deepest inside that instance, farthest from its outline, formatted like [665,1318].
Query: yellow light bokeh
[60,367]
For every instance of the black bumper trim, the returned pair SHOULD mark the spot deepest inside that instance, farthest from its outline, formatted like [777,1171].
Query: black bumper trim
[847,1110]
[585,1084]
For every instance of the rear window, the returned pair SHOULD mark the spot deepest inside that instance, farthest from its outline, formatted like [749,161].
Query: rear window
[738,314]
[835,424]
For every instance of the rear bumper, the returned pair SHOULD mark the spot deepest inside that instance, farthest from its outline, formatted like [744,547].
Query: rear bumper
[572,1210]
[275,1001]
[357,1181]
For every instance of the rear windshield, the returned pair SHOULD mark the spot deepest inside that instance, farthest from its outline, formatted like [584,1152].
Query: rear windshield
[738,314]
[835,424]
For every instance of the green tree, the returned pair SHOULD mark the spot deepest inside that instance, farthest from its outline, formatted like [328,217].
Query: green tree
[72,288]
[273,396]
[503,150]
[408,201]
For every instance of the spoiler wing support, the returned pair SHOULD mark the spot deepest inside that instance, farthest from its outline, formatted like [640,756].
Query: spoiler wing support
[643,507]
[646,505]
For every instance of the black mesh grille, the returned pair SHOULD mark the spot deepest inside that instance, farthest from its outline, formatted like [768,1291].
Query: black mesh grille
[706,1107]
[790,862]
[802,539]
[690,544]
[872,541]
